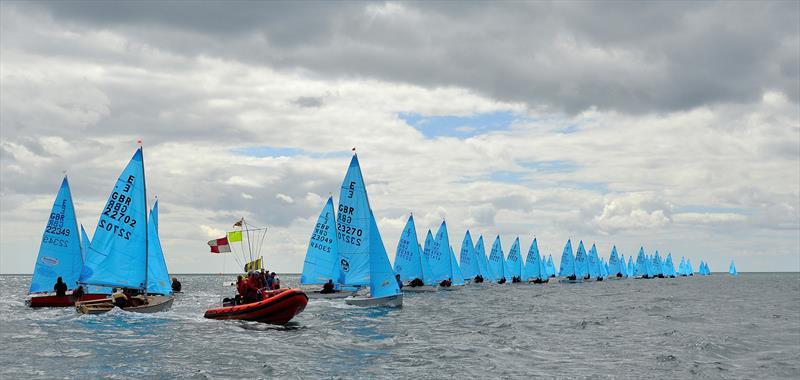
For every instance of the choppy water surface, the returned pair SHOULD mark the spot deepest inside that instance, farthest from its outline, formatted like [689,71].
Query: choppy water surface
[713,327]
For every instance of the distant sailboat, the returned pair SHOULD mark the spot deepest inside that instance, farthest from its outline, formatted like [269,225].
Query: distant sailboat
[322,256]
[567,269]
[497,262]
[60,256]
[364,259]
[689,268]
[594,263]
[582,262]
[514,262]
[658,270]
[708,270]
[640,271]
[551,268]
[126,251]
[732,269]
[469,260]
[669,267]
[483,262]
[410,263]
[535,267]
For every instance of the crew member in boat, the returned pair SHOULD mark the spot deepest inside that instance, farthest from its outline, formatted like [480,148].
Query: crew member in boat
[446,283]
[416,282]
[327,288]
[502,280]
[276,282]
[399,282]
[572,277]
[119,298]
[176,285]
[251,292]
[78,292]
[60,287]
[515,279]
[270,280]
[478,279]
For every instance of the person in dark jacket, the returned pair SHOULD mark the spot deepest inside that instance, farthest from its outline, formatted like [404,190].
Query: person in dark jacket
[399,282]
[327,288]
[60,287]
[176,285]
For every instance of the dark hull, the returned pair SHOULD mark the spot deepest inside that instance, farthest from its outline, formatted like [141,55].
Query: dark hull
[52,300]
[277,308]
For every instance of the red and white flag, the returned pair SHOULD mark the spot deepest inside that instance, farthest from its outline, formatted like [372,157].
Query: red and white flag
[219,245]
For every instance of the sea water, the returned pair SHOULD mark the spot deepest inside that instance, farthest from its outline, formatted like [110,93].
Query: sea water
[713,327]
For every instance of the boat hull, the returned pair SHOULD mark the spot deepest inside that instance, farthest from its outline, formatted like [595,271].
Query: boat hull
[52,300]
[154,304]
[316,295]
[420,289]
[277,308]
[395,300]
[452,287]
[566,281]
[538,281]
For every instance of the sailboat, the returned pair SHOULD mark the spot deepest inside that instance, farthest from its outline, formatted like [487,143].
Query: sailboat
[322,257]
[689,268]
[640,270]
[497,262]
[657,266]
[60,255]
[669,267]
[469,260]
[126,251]
[514,263]
[483,262]
[708,270]
[551,268]
[567,269]
[455,270]
[535,268]
[410,263]
[732,269]
[363,255]
[594,264]
[581,263]
[616,266]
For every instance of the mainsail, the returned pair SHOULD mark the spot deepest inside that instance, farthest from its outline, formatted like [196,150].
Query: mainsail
[594,263]
[469,261]
[456,275]
[497,262]
[381,276]
[514,262]
[439,255]
[581,261]
[614,267]
[118,253]
[641,267]
[322,256]
[60,252]
[408,258]
[535,268]
[732,269]
[551,268]
[669,267]
[353,227]
[567,267]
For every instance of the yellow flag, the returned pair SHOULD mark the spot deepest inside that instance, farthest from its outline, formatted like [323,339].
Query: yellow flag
[253,265]
[234,236]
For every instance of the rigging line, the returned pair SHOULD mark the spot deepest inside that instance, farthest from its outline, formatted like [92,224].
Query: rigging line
[261,243]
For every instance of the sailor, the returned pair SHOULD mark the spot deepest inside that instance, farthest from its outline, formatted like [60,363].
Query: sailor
[276,282]
[176,285]
[327,288]
[60,287]
[119,298]
[571,277]
[251,292]
[445,283]
[502,280]
[78,292]
[416,282]
[399,282]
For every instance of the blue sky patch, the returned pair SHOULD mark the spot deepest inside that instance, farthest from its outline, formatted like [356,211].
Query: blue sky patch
[460,126]
[554,166]
[271,151]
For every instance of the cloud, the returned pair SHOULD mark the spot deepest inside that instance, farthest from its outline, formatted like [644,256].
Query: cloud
[284,198]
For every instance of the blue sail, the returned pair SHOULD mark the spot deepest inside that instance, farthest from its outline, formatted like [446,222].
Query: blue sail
[567,267]
[381,276]
[158,281]
[689,268]
[631,271]
[535,269]
[457,276]
[732,269]
[60,252]
[353,227]
[708,270]
[439,255]
[669,266]
[581,261]
[640,269]
[682,266]
[613,263]
[85,242]
[621,266]
[483,262]
[514,262]
[657,265]
[497,262]
[322,255]
[551,268]
[469,261]
[117,255]
[593,265]
[407,258]
[603,269]
[427,273]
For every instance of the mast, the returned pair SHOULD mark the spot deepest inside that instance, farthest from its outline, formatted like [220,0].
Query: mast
[146,237]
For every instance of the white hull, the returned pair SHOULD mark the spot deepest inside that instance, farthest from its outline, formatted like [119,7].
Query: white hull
[388,301]
[420,289]
[154,304]
[316,295]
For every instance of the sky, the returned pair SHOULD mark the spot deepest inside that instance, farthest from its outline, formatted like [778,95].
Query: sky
[669,125]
